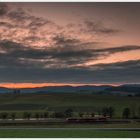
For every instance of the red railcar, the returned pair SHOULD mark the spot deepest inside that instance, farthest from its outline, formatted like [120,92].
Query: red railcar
[91,119]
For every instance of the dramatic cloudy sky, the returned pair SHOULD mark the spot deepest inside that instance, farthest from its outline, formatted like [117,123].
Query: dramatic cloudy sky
[69,43]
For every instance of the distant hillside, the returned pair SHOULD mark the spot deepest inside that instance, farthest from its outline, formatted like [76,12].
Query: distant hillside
[65,89]
[129,88]
[4,90]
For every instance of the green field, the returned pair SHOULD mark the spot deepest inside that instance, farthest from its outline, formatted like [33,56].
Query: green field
[79,102]
[127,125]
[59,102]
[41,133]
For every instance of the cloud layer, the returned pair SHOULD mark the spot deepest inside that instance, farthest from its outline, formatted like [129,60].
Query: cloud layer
[36,49]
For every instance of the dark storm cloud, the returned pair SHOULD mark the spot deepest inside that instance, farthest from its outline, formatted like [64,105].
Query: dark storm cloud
[17,50]
[20,25]
[32,38]
[6,24]
[31,22]
[119,49]
[68,42]
[19,15]
[36,22]
[64,60]
[77,52]
[120,72]
[98,27]
[62,40]
[3,9]
[75,75]
[37,29]
[17,55]
[131,64]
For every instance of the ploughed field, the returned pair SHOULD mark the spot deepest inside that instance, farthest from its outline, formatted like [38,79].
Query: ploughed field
[79,102]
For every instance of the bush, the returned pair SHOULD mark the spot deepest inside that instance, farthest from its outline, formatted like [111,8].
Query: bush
[68,112]
[92,114]
[139,112]
[37,115]
[81,114]
[108,111]
[3,115]
[111,111]
[27,115]
[126,113]
[13,116]
[105,111]
[46,114]
[59,115]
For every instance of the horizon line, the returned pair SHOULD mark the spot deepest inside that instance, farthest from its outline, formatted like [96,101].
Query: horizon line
[36,85]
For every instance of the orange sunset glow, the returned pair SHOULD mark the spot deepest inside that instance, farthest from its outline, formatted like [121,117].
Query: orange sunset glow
[34,85]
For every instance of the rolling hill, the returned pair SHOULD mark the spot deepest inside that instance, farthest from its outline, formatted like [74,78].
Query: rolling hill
[127,89]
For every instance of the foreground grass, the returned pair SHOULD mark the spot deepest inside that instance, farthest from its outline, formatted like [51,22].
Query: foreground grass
[40,133]
[129,125]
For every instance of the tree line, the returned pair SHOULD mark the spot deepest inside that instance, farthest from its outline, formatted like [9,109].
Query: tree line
[37,115]
[106,111]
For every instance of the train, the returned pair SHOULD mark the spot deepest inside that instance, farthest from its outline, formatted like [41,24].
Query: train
[88,119]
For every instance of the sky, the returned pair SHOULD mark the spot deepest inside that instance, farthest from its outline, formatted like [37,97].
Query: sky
[63,43]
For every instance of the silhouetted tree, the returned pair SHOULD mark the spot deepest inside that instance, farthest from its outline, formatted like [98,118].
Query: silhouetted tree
[111,111]
[3,115]
[133,111]
[37,115]
[59,114]
[99,112]
[68,112]
[108,111]
[16,91]
[139,112]
[105,111]
[92,114]
[13,116]
[81,114]
[46,114]
[126,113]
[27,115]
[41,115]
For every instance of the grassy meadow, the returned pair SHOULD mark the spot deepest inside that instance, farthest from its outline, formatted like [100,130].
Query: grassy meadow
[79,102]
[59,102]
[42,133]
